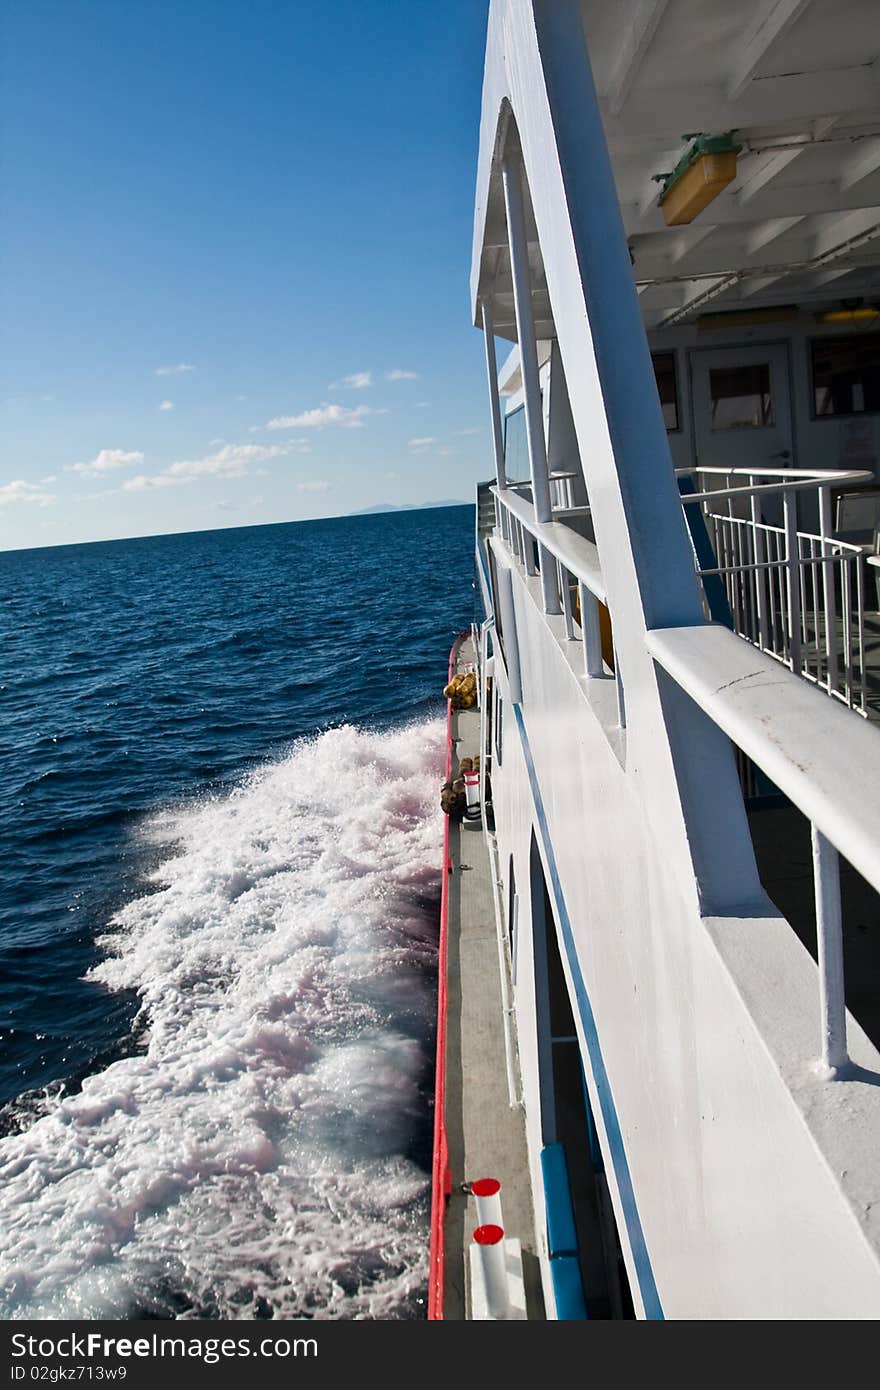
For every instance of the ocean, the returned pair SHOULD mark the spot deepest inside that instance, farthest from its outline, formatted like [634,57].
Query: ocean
[221,836]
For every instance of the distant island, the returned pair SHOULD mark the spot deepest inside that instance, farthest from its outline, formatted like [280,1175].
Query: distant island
[409,507]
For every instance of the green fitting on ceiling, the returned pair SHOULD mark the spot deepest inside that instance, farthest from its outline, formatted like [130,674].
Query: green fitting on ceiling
[701,144]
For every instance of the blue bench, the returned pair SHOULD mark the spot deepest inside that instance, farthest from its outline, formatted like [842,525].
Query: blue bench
[562,1241]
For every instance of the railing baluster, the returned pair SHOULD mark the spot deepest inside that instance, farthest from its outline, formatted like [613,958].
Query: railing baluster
[846,615]
[550,591]
[815,569]
[590,631]
[792,581]
[860,628]
[531,566]
[566,600]
[760,588]
[829,939]
[618,682]
[825,533]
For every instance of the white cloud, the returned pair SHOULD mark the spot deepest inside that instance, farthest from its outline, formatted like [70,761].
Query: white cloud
[166,405]
[177,370]
[349,417]
[20,491]
[423,443]
[422,405]
[232,461]
[475,429]
[358,381]
[106,461]
[398,374]
[316,486]
[143,483]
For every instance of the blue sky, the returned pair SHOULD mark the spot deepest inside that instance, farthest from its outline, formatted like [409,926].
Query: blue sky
[235,254]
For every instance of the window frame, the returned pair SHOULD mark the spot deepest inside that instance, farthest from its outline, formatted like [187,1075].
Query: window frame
[678,427]
[832,338]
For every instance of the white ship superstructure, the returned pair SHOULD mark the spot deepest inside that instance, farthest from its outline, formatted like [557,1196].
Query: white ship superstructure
[680,758]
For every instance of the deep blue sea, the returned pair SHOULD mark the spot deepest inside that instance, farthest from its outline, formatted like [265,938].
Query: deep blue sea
[218,785]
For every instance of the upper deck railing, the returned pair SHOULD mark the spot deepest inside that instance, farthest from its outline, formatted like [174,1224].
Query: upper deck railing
[798,595]
[825,762]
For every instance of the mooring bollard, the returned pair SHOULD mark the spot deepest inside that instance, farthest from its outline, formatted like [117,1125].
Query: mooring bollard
[487,1194]
[489,1241]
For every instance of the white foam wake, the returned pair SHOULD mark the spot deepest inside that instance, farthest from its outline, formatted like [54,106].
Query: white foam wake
[254,1159]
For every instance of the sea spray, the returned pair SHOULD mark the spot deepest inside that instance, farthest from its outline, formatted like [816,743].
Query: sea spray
[264,1154]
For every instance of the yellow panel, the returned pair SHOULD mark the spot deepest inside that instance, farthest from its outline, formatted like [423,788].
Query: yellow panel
[697,186]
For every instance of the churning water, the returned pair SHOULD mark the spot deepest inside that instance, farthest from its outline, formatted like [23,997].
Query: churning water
[218,917]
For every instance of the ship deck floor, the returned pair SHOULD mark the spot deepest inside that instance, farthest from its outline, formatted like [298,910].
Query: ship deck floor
[486,1136]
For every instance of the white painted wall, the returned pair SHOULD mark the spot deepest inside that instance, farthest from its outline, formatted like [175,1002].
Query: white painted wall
[817,443]
[735,1170]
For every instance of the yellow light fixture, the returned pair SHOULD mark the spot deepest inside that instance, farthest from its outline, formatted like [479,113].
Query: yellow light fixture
[863,314]
[707,167]
[742,318]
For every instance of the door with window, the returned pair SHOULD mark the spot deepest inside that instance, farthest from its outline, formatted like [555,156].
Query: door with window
[742,412]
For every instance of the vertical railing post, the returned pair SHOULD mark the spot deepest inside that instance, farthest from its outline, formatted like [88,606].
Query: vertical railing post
[512,178]
[592,636]
[830,607]
[829,938]
[531,566]
[792,579]
[494,400]
[566,600]
[621,699]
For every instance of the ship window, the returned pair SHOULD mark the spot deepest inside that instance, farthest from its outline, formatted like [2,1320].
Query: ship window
[499,731]
[741,398]
[846,375]
[516,447]
[664,371]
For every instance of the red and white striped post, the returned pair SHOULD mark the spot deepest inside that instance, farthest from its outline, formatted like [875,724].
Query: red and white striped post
[472,794]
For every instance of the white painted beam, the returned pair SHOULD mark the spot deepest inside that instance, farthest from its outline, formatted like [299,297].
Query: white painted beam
[766,168]
[860,164]
[800,200]
[799,95]
[765,232]
[639,32]
[863,224]
[773,20]
[818,278]
[688,241]
[757,284]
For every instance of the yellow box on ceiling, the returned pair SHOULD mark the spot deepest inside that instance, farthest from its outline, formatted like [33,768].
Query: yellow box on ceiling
[697,186]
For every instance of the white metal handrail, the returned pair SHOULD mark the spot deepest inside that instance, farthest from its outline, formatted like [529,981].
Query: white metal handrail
[564,560]
[827,764]
[579,555]
[781,584]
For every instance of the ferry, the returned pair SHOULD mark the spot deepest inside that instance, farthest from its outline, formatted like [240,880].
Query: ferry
[658,1078]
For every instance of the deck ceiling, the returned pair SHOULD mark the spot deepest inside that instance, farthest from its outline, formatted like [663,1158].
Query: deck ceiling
[798,81]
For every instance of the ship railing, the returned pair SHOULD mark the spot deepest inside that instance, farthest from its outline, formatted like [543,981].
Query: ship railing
[827,764]
[572,586]
[795,594]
